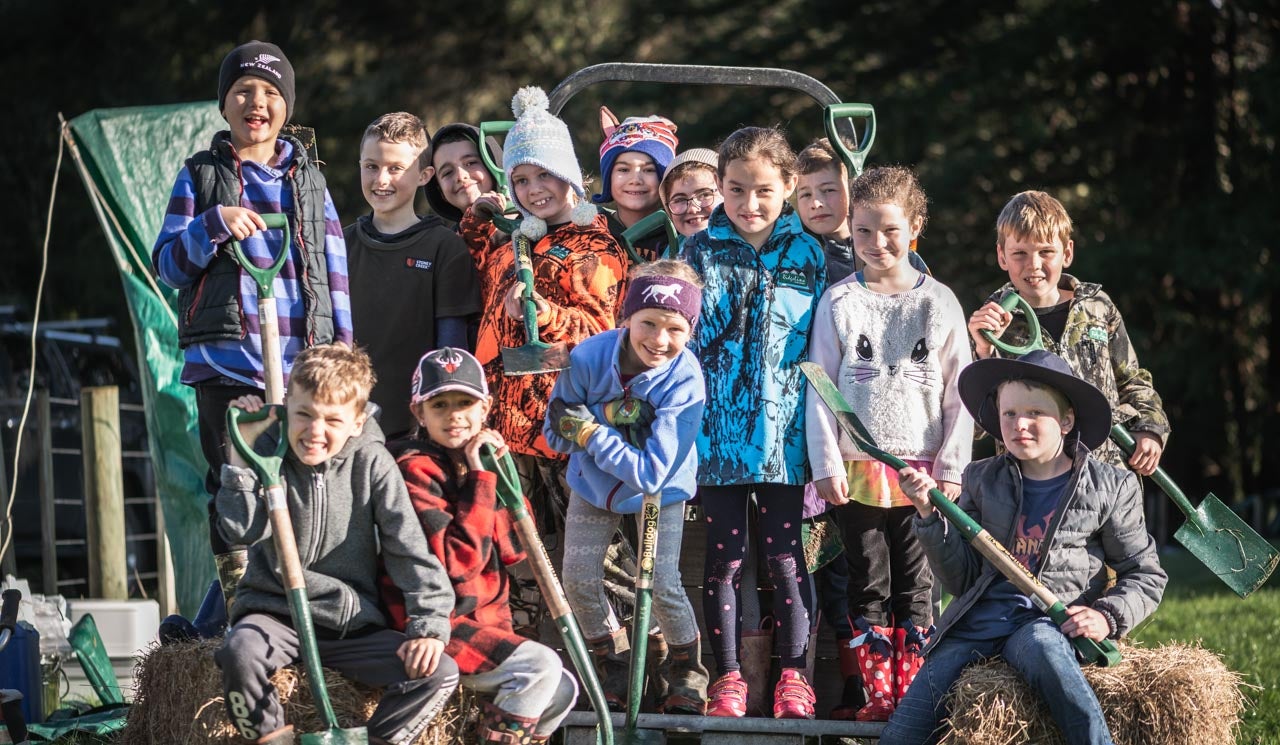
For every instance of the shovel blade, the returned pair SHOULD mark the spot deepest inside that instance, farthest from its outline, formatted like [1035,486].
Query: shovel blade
[353,736]
[534,358]
[1228,546]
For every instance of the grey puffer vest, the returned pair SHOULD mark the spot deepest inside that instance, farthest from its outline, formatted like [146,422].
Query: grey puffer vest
[209,310]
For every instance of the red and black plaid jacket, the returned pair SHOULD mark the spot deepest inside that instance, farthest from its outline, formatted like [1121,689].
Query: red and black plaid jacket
[475,540]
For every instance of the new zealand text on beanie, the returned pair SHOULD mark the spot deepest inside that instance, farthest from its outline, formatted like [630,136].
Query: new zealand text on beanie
[653,135]
[259,59]
[539,138]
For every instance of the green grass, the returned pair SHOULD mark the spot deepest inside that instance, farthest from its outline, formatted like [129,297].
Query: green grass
[1246,632]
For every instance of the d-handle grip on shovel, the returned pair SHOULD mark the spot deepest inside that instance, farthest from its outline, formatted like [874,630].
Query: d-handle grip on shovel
[268,323]
[265,277]
[267,468]
[1008,303]
[511,496]
[853,159]
[647,226]
[495,169]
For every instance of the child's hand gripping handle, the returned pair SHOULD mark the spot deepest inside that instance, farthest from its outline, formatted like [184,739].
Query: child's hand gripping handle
[853,159]
[1009,302]
[269,326]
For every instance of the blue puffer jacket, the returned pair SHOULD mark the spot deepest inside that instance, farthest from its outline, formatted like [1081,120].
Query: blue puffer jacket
[611,473]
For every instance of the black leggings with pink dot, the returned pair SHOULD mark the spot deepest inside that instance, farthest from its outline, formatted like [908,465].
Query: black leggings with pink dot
[779,540]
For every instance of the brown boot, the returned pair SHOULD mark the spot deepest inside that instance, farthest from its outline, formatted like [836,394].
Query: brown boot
[656,658]
[686,680]
[612,655]
[498,727]
[755,650]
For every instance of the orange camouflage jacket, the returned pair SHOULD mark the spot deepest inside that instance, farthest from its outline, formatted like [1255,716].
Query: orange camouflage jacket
[580,272]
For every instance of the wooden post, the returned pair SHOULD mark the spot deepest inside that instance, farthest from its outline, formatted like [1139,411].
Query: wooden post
[166,592]
[104,492]
[48,520]
[8,560]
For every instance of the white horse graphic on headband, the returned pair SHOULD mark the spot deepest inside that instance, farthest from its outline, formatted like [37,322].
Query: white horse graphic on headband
[665,294]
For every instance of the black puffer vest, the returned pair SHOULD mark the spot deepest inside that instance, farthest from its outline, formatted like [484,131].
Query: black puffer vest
[209,310]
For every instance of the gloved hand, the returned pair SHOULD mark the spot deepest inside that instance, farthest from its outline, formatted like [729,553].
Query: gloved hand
[632,417]
[574,422]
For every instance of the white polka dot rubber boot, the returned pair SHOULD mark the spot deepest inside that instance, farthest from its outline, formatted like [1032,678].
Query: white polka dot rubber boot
[874,650]
[908,640]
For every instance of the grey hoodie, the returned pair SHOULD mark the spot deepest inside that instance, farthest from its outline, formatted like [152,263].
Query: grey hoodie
[343,512]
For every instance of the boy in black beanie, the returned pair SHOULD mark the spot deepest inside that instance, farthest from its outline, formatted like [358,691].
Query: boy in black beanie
[250,168]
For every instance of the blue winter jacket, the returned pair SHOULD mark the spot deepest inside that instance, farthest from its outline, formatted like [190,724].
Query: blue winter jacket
[757,312]
[611,473]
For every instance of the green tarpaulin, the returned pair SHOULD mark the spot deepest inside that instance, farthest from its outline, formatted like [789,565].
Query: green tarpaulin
[131,157]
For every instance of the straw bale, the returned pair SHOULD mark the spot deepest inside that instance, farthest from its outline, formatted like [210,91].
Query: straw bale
[1173,694]
[178,700]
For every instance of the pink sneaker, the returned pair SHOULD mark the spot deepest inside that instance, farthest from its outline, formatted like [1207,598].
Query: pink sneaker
[728,696]
[793,697]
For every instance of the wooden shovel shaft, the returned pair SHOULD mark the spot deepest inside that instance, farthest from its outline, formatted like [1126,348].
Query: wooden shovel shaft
[540,564]
[272,362]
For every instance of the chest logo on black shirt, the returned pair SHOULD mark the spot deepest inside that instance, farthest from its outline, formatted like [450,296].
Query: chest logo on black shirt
[420,264]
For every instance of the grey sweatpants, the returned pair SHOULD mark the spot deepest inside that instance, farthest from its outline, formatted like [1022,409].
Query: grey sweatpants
[531,683]
[588,531]
[258,645]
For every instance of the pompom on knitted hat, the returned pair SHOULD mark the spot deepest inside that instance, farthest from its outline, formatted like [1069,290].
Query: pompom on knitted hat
[653,135]
[540,138]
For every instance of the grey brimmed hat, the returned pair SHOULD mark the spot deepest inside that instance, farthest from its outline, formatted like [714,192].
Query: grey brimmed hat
[978,383]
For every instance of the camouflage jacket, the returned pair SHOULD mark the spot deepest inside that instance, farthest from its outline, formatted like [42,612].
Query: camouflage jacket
[1096,345]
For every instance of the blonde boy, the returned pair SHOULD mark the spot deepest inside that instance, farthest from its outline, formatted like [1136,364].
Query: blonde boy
[1078,321]
[413,285]
[348,504]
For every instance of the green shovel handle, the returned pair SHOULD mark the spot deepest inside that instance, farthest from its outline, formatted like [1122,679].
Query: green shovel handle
[853,159]
[520,243]
[1121,437]
[487,129]
[509,490]
[1009,302]
[266,466]
[647,226]
[265,277]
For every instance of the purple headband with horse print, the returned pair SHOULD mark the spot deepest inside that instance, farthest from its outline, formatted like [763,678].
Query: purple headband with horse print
[665,293]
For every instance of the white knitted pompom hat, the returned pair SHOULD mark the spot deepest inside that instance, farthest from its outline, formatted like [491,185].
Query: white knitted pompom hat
[539,138]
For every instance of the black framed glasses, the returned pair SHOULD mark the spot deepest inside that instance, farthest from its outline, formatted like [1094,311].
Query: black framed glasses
[702,197]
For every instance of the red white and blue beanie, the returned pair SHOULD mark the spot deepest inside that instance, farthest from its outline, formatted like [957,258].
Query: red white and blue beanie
[653,135]
[540,138]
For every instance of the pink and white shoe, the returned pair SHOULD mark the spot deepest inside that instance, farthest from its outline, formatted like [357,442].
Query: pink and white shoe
[727,697]
[793,697]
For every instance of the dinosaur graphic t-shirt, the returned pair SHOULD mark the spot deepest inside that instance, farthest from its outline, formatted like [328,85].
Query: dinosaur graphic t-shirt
[1001,609]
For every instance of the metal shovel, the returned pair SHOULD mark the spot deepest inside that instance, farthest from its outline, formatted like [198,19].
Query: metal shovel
[1213,533]
[512,498]
[1104,653]
[534,356]
[650,508]
[267,467]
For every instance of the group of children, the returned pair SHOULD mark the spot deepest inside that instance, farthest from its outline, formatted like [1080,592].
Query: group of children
[684,382]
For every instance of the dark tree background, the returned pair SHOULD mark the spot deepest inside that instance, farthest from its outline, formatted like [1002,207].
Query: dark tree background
[1154,122]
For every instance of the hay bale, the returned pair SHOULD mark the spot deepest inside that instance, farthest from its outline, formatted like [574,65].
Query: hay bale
[1173,694]
[178,699]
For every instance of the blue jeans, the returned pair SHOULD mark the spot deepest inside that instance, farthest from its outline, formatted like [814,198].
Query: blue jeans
[1038,651]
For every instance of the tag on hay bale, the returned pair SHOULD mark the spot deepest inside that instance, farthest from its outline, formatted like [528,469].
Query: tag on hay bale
[1176,694]
[178,699]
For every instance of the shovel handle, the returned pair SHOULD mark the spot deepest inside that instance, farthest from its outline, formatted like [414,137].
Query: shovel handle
[1124,440]
[524,273]
[267,467]
[650,509]
[647,226]
[511,496]
[853,158]
[495,170]
[264,278]
[1009,302]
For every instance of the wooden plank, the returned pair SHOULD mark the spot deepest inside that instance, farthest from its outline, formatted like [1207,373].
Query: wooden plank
[104,492]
